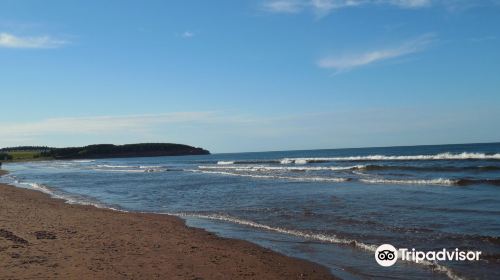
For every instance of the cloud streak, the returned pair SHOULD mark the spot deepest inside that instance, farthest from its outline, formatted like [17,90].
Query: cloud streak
[101,124]
[283,6]
[187,35]
[8,40]
[351,61]
[324,7]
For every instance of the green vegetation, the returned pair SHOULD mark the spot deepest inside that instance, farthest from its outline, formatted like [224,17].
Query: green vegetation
[30,153]
[24,153]
[22,156]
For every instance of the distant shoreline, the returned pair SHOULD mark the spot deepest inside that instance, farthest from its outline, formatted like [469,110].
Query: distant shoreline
[99,151]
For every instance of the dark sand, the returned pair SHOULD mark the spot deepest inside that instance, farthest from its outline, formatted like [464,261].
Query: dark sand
[45,238]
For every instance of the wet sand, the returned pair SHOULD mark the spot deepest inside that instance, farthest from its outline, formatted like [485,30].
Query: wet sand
[42,237]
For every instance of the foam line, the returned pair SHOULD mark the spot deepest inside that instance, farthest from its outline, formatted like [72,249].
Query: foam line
[314,236]
[439,181]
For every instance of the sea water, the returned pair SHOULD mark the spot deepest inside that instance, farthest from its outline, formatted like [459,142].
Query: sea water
[333,207]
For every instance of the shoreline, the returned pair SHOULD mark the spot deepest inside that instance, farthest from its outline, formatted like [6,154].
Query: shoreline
[41,236]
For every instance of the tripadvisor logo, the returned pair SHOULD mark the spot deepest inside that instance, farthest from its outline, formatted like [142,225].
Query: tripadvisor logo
[387,255]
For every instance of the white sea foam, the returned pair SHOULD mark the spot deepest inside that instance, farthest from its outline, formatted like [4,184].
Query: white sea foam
[113,166]
[225,162]
[313,236]
[439,181]
[121,170]
[150,166]
[303,179]
[70,199]
[287,161]
[442,156]
[129,169]
[294,160]
[83,160]
[39,187]
[300,161]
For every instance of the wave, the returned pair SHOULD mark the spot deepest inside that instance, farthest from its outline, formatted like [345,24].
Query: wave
[71,199]
[149,170]
[113,166]
[120,170]
[442,156]
[54,194]
[129,168]
[373,167]
[83,160]
[247,162]
[303,179]
[438,181]
[313,236]
[151,167]
[282,168]
[40,187]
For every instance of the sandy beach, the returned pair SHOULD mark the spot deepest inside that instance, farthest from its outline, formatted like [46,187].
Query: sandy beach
[42,237]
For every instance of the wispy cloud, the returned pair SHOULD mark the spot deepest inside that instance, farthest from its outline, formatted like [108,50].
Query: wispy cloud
[350,61]
[319,7]
[324,7]
[188,34]
[408,3]
[283,6]
[8,40]
[100,124]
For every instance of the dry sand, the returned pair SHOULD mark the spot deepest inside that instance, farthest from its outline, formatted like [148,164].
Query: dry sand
[45,238]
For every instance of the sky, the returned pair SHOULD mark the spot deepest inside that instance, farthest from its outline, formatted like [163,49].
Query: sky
[249,75]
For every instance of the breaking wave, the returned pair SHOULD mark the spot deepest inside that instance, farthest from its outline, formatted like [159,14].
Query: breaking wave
[374,167]
[247,162]
[438,181]
[442,156]
[281,168]
[303,179]
[233,171]
[83,160]
[113,166]
[130,169]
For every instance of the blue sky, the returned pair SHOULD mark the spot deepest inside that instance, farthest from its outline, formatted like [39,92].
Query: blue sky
[250,75]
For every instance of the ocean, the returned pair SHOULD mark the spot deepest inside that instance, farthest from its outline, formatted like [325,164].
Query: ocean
[332,207]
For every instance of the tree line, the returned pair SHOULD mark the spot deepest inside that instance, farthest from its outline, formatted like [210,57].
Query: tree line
[129,150]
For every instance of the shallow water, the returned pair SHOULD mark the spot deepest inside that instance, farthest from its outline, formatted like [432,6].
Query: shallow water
[333,207]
